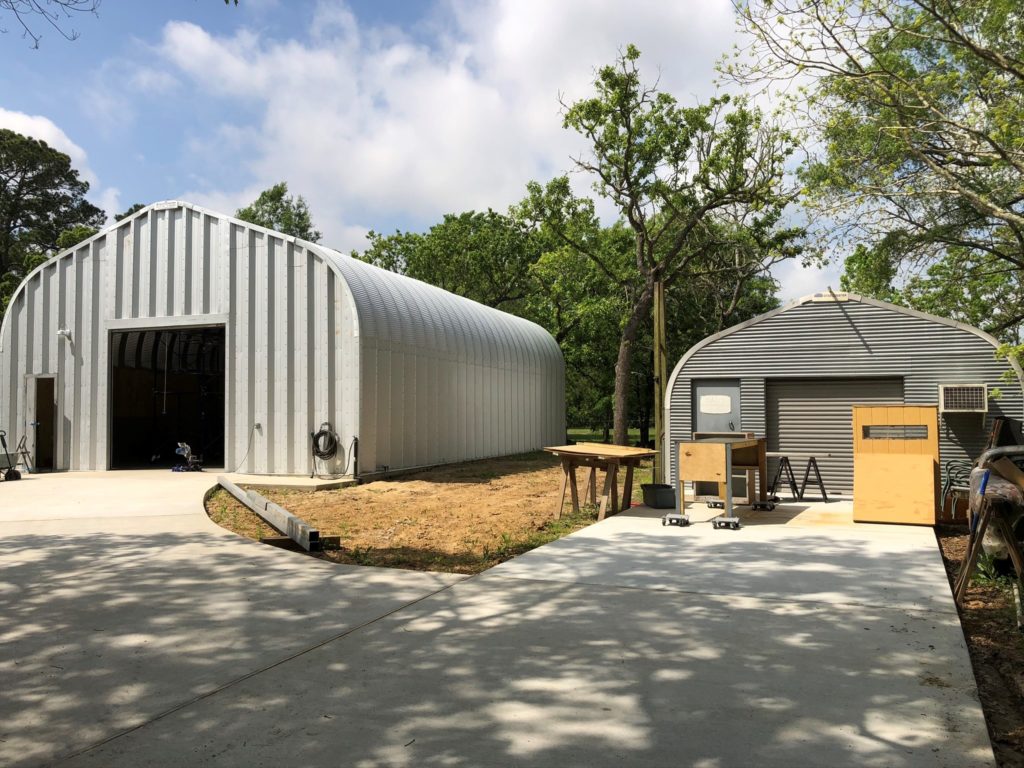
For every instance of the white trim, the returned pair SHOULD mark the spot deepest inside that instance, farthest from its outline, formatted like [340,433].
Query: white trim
[175,321]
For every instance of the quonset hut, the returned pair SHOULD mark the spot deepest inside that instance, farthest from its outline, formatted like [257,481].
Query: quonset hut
[181,324]
[792,375]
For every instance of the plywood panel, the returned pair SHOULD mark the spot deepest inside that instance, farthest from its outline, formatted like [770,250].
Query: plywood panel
[702,461]
[894,488]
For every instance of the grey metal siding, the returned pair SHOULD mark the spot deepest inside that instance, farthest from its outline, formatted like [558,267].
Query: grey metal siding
[855,338]
[419,375]
[808,417]
[446,379]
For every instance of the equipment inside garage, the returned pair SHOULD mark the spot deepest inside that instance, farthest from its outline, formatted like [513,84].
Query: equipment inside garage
[167,387]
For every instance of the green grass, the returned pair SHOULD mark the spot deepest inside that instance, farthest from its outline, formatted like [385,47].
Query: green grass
[585,435]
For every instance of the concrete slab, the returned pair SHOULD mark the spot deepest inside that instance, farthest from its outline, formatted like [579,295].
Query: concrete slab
[497,671]
[109,621]
[889,566]
[139,637]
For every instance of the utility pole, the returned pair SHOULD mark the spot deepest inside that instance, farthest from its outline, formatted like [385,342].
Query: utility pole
[660,379]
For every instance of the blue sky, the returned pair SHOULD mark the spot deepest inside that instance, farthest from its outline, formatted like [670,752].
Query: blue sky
[382,114]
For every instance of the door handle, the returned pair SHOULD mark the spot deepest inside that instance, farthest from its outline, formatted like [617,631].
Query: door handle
[731,427]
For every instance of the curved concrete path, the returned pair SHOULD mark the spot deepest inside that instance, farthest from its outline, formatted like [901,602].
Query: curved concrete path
[135,632]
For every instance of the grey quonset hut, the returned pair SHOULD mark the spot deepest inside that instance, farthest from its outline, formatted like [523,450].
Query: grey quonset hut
[179,323]
[792,375]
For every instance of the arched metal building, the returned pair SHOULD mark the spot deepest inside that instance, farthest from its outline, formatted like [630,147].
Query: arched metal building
[183,324]
[792,375]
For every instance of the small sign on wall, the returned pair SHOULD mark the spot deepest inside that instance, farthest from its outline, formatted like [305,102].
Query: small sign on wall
[715,404]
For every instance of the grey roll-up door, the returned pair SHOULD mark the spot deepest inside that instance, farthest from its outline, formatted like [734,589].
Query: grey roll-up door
[812,417]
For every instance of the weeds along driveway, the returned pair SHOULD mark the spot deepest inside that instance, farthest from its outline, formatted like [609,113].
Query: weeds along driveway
[623,644]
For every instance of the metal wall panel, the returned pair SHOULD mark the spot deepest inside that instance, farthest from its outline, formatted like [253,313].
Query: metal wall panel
[859,337]
[419,375]
[446,379]
[807,417]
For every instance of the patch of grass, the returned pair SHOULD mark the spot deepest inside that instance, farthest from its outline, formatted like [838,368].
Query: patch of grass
[987,573]
[587,435]
[467,562]
[228,512]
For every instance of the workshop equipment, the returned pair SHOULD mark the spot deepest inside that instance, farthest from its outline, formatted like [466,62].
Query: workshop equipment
[715,459]
[990,511]
[675,518]
[22,456]
[597,456]
[10,473]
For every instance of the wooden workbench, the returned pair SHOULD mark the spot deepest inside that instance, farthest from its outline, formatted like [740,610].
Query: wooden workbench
[714,459]
[599,456]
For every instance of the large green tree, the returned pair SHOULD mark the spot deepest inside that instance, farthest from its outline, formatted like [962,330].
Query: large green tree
[680,178]
[483,256]
[916,110]
[277,210]
[41,197]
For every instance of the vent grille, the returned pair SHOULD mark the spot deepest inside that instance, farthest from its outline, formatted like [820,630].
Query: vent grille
[963,398]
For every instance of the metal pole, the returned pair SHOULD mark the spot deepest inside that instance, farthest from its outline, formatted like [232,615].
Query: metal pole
[660,376]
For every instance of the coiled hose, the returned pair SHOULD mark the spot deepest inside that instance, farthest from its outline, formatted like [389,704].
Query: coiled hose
[325,443]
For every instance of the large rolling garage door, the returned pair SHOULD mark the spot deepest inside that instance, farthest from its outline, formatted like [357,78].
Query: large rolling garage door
[812,417]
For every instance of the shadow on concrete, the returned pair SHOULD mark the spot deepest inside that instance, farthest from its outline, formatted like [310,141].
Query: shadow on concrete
[609,647]
[101,632]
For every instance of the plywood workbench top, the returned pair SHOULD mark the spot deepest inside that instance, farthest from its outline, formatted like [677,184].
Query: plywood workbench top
[602,450]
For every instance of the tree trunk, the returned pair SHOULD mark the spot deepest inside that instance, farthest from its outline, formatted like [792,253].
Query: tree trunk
[624,363]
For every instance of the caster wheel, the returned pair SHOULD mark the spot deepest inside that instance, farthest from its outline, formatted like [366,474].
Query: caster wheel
[664,521]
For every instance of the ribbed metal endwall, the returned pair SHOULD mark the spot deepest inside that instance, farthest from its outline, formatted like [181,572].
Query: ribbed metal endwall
[813,417]
[421,376]
[858,338]
[174,265]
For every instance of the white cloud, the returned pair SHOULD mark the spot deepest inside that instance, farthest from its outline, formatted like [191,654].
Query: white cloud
[44,129]
[373,125]
[797,280]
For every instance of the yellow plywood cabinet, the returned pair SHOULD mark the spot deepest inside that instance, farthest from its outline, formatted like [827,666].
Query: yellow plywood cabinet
[895,463]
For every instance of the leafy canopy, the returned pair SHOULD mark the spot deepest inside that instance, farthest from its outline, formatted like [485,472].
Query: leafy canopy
[277,210]
[918,110]
[41,197]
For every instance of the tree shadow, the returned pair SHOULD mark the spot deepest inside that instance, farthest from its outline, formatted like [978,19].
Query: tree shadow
[618,645]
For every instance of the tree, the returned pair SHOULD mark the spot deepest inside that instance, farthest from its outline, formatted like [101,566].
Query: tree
[41,196]
[482,256]
[918,108]
[55,13]
[134,208]
[276,209]
[675,174]
[72,237]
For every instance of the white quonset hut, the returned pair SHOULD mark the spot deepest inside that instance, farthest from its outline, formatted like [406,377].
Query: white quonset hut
[792,375]
[181,324]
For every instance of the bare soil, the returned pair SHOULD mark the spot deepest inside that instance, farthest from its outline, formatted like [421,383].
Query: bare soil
[996,646]
[462,518]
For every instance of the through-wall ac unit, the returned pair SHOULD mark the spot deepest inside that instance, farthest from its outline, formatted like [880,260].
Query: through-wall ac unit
[963,398]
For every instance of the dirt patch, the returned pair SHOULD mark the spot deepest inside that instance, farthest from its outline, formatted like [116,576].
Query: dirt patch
[997,651]
[463,518]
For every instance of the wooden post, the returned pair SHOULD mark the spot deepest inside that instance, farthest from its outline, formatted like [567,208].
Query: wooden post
[660,381]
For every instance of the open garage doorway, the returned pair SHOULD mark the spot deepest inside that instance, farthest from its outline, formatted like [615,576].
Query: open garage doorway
[167,386]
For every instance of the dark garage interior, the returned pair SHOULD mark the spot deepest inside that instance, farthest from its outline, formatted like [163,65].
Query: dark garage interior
[167,387]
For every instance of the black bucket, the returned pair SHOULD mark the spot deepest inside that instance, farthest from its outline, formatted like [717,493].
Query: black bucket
[659,495]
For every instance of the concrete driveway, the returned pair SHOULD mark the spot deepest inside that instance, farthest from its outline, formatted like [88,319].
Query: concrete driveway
[135,632]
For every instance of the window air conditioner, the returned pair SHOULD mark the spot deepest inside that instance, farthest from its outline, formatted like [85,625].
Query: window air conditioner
[963,398]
